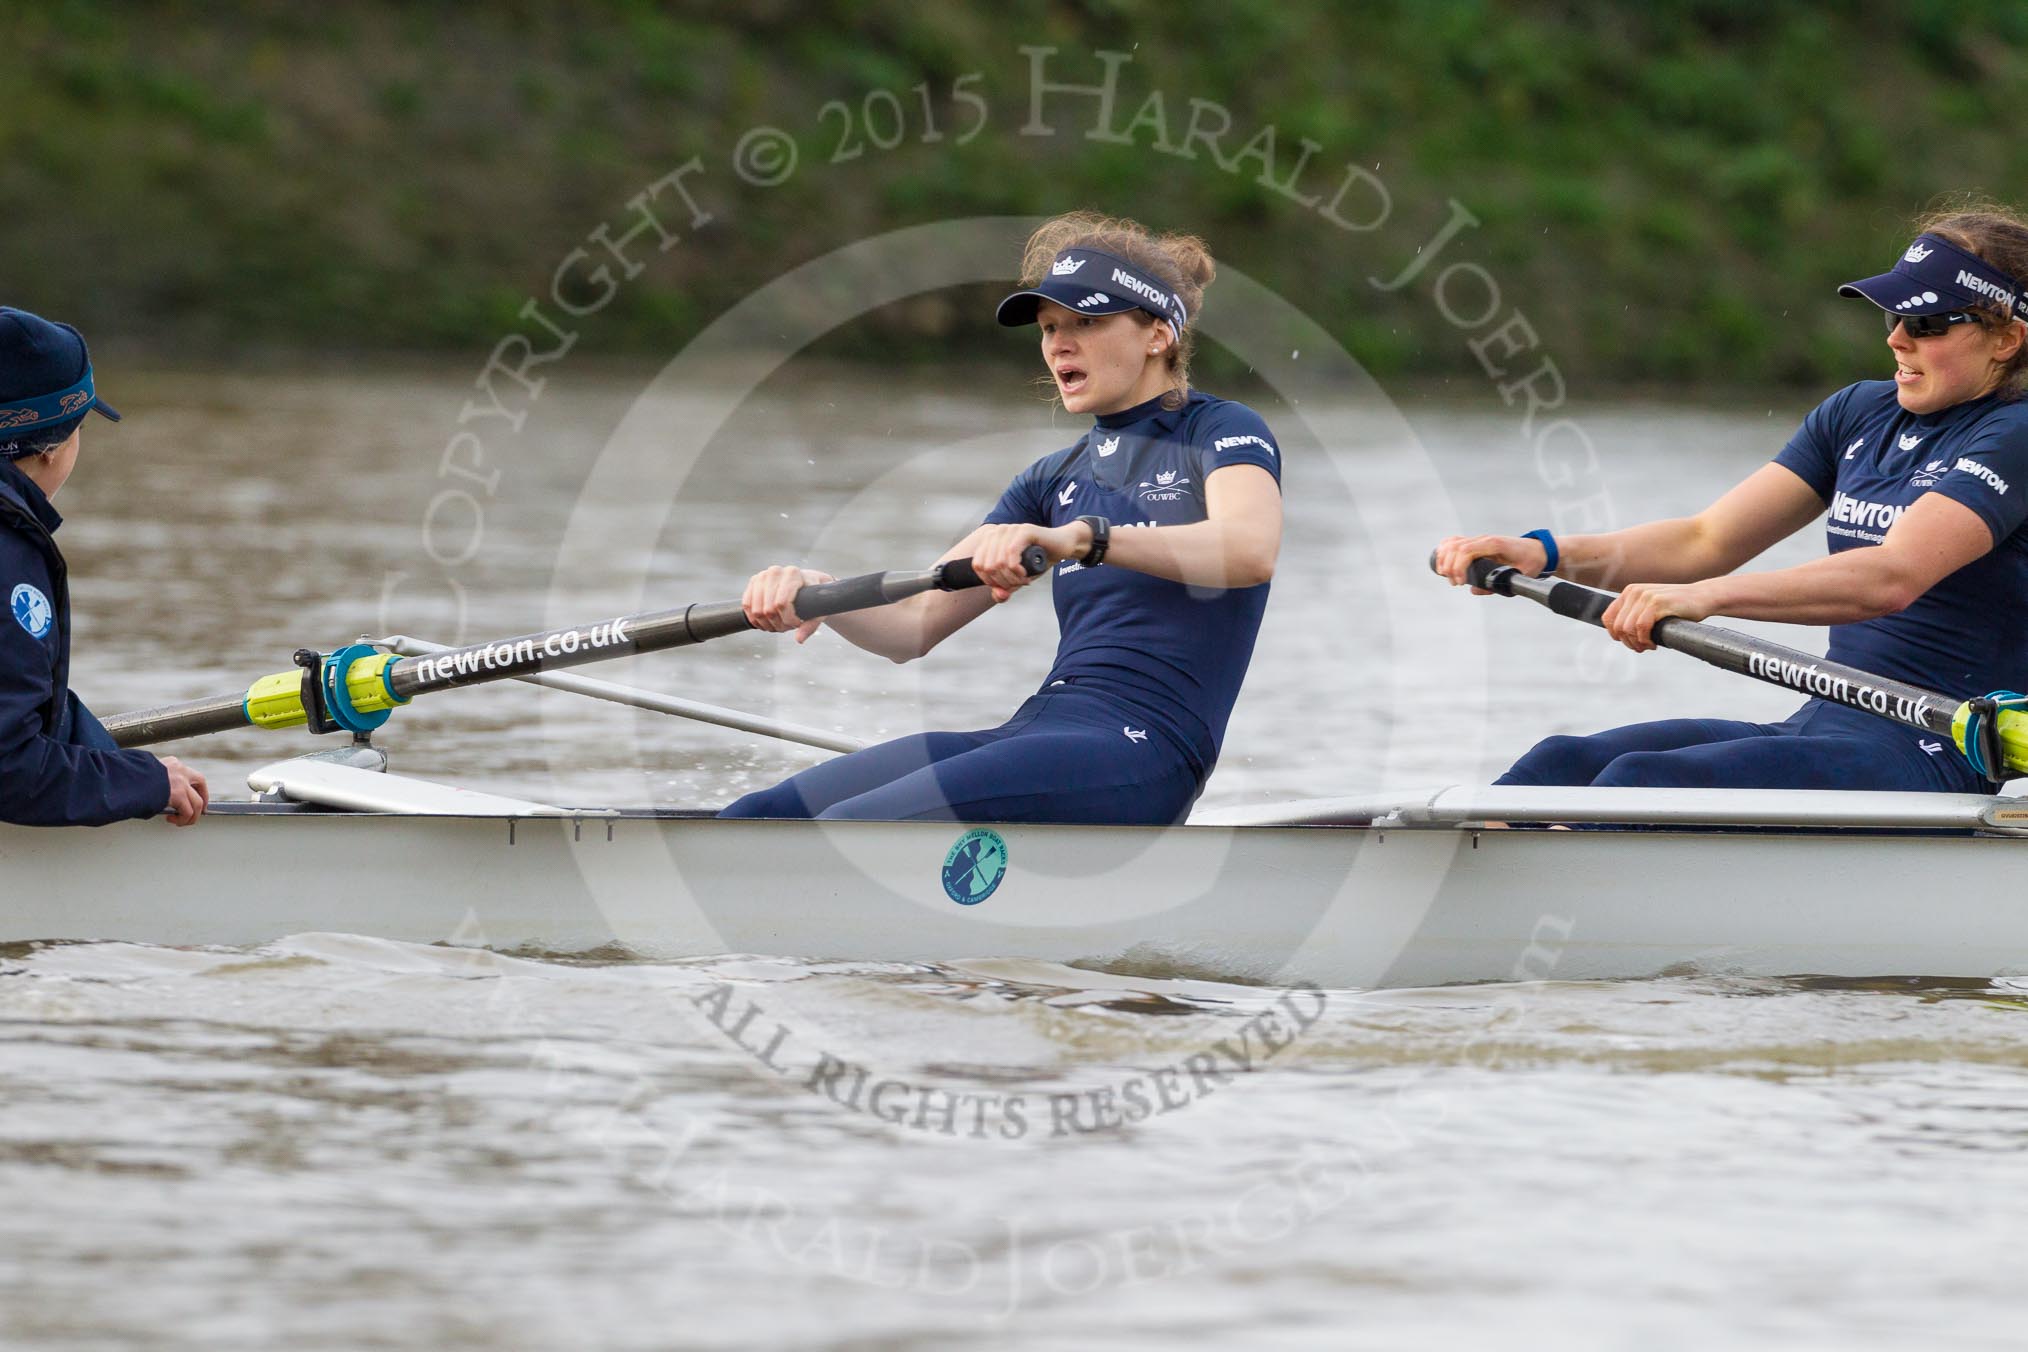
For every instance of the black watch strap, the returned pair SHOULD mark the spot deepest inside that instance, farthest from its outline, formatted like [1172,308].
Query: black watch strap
[1101,538]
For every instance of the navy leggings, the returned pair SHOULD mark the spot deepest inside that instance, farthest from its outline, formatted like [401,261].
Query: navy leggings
[1820,746]
[1067,755]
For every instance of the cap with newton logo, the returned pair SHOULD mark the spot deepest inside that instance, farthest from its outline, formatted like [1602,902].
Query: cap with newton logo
[1934,276]
[1094,282]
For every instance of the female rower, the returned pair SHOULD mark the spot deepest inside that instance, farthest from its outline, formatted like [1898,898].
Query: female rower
[1926,478]
[1157,623]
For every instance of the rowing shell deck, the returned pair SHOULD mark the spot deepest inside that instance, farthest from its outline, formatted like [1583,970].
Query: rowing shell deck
[1405,891]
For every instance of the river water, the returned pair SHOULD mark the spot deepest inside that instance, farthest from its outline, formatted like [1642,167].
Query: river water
[334,1141]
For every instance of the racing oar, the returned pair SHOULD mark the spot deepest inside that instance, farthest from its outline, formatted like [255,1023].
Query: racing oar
[1991,731]
[355,689]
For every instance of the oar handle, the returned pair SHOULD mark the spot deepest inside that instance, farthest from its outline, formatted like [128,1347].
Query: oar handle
[1577,602]
[1485,574]
[820,599]
[957,574]
[1565,598]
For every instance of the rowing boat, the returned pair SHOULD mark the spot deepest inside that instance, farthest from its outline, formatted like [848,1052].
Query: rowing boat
[1418,888]
[1408,889]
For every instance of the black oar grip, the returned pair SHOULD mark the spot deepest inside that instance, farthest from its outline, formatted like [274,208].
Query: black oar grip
[1490,575]
[1579,603]
[819,599]
[957,574]
[1485,574]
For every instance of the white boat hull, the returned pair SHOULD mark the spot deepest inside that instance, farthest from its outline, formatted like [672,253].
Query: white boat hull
[1333,906]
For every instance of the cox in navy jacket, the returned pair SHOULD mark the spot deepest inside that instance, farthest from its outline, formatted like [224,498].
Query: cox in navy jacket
[58,765]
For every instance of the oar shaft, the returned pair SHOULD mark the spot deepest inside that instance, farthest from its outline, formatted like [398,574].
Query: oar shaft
[653,701]
[274,701]
[530,654]
[172,722]
[555,649]
[1763,661]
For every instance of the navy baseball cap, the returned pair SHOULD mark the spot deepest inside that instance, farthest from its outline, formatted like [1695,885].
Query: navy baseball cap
[1934,277]
[1093,282]
[45,375]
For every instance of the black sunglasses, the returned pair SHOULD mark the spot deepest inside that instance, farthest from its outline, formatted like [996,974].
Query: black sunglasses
[1929,326]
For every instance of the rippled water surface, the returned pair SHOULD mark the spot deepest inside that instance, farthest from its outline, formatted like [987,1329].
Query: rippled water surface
[334,1141]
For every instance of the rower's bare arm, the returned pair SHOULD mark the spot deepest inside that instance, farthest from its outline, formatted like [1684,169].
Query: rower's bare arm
[909,629]
[899,632]
[1234,546]
[1769,505]
[1934,538]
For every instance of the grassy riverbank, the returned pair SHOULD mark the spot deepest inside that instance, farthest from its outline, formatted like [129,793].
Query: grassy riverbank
[1668,194]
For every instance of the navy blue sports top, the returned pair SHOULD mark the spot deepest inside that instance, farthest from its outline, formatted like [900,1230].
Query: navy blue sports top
[1174,654]
[1869,458]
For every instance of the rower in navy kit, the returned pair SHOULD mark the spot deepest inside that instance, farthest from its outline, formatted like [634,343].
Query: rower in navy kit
[58,766]
[1163,523]
[1926,480]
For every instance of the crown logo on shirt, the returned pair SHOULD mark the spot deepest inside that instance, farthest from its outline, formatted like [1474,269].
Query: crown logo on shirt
[1166,477]
[1108,447]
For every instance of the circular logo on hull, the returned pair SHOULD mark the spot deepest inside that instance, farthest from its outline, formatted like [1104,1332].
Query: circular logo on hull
[31,609]
[974,867]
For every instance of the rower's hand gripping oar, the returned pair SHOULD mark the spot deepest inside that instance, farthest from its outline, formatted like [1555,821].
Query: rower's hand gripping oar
[356,688]
[1991,731]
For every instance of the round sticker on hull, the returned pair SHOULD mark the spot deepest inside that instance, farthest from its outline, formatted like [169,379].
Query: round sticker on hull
[974,867]
[32,610]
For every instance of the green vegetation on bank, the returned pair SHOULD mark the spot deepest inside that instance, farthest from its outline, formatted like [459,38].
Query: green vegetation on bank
[1668,191]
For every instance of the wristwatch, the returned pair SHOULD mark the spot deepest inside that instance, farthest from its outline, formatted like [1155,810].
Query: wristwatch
[1101,536]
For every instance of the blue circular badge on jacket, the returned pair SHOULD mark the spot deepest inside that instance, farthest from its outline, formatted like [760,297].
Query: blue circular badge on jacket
[32,610]
[975,866]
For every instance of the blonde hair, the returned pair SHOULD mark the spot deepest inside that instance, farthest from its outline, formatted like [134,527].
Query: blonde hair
[1998,234]
[1180,262]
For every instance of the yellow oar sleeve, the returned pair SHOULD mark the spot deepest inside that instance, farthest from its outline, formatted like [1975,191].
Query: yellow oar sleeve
[277,701]
[2013,735]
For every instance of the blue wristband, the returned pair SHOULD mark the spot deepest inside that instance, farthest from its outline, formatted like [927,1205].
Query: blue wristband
[1548,547]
